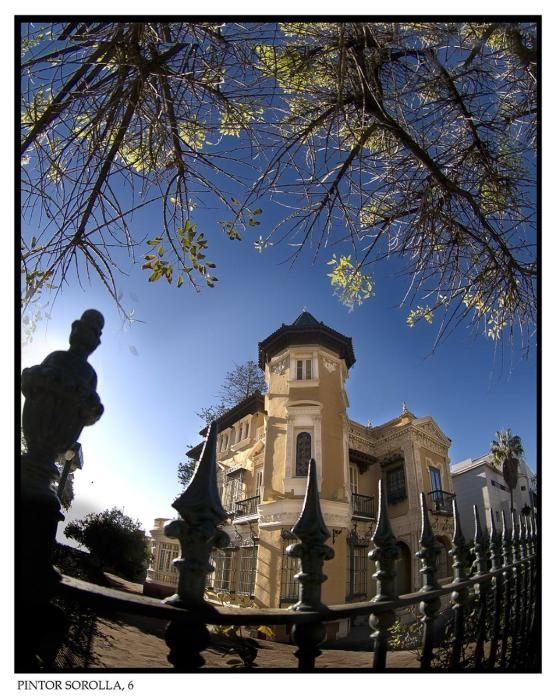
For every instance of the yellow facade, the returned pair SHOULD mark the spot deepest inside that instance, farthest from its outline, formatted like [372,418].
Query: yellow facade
[262,451]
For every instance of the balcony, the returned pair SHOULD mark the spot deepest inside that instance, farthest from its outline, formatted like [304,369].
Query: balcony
[363,507]
[440,502]
[246,508]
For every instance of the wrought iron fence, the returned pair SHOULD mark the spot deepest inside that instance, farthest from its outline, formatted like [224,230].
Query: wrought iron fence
[493,619]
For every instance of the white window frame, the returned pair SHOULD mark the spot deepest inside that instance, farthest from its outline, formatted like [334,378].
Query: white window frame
[353,476]
[435,470]
[258,481]
[302,418]
[233,490]
[304,357]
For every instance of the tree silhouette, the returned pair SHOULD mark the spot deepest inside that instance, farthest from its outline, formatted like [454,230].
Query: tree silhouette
[115,539]
[506,451]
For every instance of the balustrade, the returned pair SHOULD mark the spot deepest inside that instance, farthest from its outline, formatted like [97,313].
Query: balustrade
[247,506]
[363,506]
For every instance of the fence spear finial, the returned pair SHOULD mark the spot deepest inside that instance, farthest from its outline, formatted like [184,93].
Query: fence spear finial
[202,491]
[201,511]
[480,544]
[494,543]
[311,529]
[312,551]
[429,550]
[459,548]
[384,555]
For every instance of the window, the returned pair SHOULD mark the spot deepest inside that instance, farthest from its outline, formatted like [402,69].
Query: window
[220,578]
[233,491]
[353,479]
[303,453]
[437,495]
[358,570]
[167,554]
[396,484]
[258,481]
[289,587]
[523,488]
[303,369]
[248,562]
[435,475]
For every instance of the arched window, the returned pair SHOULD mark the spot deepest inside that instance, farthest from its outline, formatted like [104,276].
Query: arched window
[303,453]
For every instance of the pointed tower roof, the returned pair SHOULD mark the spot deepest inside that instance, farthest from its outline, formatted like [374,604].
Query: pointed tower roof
[306,319]
[306,330]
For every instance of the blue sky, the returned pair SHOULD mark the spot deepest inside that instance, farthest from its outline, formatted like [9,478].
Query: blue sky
[155,375]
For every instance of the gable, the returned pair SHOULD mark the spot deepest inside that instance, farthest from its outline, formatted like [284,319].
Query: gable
[429,426]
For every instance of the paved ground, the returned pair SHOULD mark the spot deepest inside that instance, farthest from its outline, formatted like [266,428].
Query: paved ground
[124,644]
[130,641]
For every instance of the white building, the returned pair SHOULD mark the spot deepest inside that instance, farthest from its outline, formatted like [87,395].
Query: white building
[479,482]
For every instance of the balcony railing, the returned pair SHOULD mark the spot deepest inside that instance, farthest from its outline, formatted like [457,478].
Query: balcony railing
[363,506]
[502,584]
[248,506]
[440,502]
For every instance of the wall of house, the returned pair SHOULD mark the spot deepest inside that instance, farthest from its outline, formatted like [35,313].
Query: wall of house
[473,488]
[267,582]
[332,398]
[429,458]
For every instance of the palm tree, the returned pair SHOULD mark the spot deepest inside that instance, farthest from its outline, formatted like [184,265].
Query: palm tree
[506,450]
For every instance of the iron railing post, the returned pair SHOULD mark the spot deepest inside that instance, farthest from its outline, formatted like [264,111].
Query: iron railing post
[534,631]
[311,530]
[481,567]
[508,590]
[459,597]
[60,399]
[517,576]
[201,511]
[496,587]
[428,553]
[384,555]
[525,602]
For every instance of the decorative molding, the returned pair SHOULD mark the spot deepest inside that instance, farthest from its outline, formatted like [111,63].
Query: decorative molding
[429,440]
[329,365]
[358,440]
[429,429]
[281,365]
